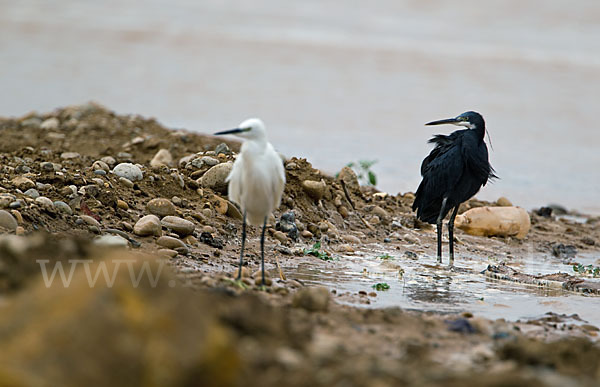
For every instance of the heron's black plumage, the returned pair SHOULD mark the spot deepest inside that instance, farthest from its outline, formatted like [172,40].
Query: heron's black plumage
[456,168]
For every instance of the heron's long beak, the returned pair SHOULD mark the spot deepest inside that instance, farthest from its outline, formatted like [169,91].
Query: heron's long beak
[446,121]
[230,131]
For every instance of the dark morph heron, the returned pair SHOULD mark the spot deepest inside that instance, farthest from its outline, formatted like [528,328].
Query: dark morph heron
[256,181]
[453,172]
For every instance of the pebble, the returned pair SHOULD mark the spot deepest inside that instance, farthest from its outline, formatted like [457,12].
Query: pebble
[42,186]
[22,183]
[314,189]
[122,205]
[343,211]
[208,229]
[63,207]
[348,176]
[89,220]
[344,248]
[215,177]
[503,202]
[306,234]
[383,214]
[100,172]
[129,171]
[124,155]
[287,224]
[109,160]
[44,201]
[47,166]
[126,182]
[7,221]
[69,155]
[351,239]
[207,213]
[162,157]
[50,124]
[15,204]
[177,201]
[280,236]
[100,165]
[109,240]
[22,169]
[185,160]
[32,193]
[20,231]
[182,250]
[161,207]
[148,225]
[169,253]
[313,299]
[204,161]
[191,240]
[17,216]
[126,226]
[170,242]
[179,225]
[222,148]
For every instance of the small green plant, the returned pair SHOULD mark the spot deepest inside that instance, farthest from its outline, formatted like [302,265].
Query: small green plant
[592,270]
[314,251]
[381,286]
[363,171]
[385,256]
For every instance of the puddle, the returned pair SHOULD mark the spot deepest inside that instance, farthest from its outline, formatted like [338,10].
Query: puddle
[426,286]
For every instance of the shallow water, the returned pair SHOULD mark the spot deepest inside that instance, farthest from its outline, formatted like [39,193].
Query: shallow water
[335,81]
[426,286]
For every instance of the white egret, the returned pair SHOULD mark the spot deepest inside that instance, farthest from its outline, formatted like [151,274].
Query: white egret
[256,181]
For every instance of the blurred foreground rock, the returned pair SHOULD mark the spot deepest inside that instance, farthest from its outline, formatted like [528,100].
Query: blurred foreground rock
[154,334]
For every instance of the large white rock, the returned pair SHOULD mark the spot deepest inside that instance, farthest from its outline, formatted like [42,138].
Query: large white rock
[129,171]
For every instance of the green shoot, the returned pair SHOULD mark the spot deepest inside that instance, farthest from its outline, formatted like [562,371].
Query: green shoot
[314,251]
[381,286]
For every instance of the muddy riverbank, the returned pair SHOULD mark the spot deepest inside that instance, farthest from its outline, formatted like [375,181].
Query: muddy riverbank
[82,184]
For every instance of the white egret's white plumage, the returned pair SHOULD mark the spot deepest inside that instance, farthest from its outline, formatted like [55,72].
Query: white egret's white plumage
[256,181]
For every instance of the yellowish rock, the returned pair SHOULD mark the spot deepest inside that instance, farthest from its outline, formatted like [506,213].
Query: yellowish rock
[495,221]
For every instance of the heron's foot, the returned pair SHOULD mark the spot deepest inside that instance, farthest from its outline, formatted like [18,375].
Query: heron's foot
[237,283]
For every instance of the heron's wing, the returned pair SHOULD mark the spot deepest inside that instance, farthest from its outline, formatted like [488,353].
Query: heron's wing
[478,162]
[277,174]
[236,180]
[441,170]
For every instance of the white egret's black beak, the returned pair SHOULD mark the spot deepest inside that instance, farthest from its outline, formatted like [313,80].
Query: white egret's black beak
[231,131]
[453,121]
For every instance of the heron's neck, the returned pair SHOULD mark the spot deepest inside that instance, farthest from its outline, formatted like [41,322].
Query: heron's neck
[254,146]
[480,131]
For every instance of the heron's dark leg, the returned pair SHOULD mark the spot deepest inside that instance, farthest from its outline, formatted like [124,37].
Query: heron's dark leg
[451,234]
[262,250]
[439,229]
[239,276]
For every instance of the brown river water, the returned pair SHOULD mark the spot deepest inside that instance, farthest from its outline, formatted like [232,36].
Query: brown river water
[335,81]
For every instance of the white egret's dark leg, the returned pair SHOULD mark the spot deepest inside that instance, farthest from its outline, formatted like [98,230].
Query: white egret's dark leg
[451,234]
[262,250]
[239,276]
[439,229]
